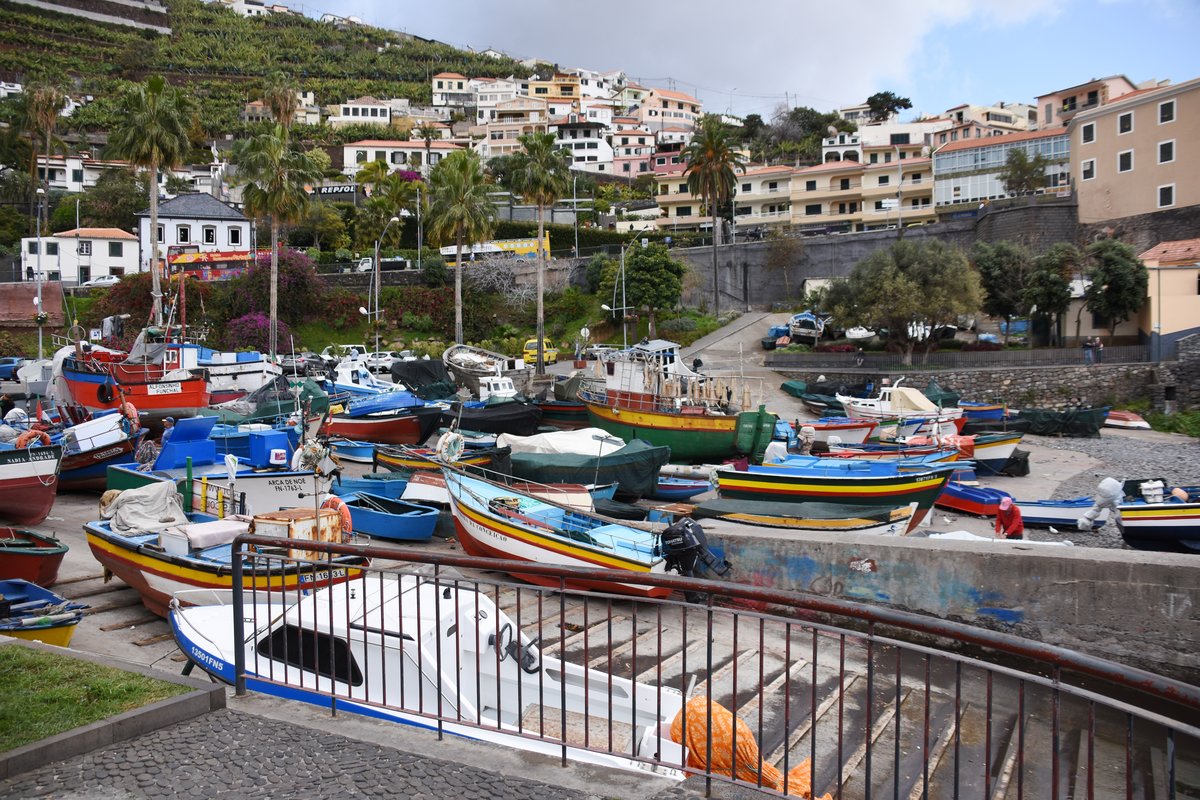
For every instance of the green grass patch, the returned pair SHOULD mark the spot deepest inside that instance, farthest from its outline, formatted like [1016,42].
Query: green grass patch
[44,694]
[1185,422]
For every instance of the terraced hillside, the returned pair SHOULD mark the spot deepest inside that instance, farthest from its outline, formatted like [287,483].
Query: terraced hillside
[225,59]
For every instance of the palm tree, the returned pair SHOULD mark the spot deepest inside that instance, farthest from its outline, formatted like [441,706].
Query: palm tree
[539,174]
[711,161]
[41,116]
[372,174]
[151,132]
[280,97]
[274,176]
[428,132]
[459,207]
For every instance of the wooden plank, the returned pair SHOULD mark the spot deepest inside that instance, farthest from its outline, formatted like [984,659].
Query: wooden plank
[107,589]
[81,579]
[149,640]
[146,620]
[136,600]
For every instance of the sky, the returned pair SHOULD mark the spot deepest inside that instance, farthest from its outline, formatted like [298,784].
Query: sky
[747,57]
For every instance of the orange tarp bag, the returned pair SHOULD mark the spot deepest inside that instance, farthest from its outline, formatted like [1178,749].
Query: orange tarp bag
[750,766]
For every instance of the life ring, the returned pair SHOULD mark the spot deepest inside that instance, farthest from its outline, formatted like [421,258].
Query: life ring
[337,504]
[26,439]
[130,412]
[104,392]
[449,447]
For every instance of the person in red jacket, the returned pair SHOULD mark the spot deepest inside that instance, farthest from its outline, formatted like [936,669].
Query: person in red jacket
[1008,520]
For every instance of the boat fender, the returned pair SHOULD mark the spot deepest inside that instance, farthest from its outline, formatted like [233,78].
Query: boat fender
[27,438]
[337,504]
[450,447]
[104,392]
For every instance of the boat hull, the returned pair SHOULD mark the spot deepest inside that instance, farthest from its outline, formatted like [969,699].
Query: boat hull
[89,470]
[422,459]
[154,400]
[564,415]
[486,536]
[37,561]
[28,483]
[394,520]
[691,438]
[156,576]
[1169,526]
[410,428]
[922,488]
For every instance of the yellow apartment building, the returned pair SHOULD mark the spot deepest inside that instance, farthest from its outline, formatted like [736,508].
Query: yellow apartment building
[1138,154]
[561,88]
[1172,309]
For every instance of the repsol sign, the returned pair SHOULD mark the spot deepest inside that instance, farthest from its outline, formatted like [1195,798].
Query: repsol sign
[338,189]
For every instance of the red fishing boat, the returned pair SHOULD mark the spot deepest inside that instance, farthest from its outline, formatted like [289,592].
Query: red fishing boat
[30,556]
[411,426]
[28,482]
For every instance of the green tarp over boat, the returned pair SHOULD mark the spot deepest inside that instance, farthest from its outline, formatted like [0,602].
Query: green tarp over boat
[942,398]
[1071,422]
[634,467]
[273,401]
[795,388]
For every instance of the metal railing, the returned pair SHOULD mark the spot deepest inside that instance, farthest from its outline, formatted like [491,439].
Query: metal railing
[874,702]
[957,359]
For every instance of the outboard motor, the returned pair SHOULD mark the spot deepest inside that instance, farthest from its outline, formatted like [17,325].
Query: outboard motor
[685,548]
[1109,494]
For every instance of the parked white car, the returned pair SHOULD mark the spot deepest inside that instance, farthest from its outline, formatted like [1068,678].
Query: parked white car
[102,280]
[382,360]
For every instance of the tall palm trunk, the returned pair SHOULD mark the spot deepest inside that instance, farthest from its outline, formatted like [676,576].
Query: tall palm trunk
[274,336]
[716,283]
[458,270]
[155,281]
[541,285]
[46,196]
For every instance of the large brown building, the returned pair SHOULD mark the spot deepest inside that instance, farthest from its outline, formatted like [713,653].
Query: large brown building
[1138,154]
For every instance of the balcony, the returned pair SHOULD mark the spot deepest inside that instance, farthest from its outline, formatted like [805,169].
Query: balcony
[764,217]
[852,191]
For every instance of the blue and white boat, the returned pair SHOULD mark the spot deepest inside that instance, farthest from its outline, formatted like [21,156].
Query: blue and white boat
[358,452]
[385,518]
[226,371]
[384,484]
[806,327]
[353,377]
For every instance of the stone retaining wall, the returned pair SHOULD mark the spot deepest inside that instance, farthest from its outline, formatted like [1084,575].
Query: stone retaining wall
[1041,387]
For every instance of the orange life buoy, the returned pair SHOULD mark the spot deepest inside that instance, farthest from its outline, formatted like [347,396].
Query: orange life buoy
[130,412]
[337,504]
[27,438]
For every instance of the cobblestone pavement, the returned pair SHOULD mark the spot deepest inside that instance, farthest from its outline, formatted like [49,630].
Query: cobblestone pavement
[234,755]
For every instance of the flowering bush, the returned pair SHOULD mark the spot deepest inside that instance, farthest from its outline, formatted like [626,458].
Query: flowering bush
[844,347]
[420,302]
[339,308]
[253,331]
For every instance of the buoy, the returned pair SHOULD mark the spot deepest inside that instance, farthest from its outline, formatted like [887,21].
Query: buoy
[337,504]
[26,439]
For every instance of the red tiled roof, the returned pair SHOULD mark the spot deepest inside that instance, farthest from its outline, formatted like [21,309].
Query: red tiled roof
[96,233]
[675,95]
[1011,138]
[450,75]
[1182,251]
[763,170]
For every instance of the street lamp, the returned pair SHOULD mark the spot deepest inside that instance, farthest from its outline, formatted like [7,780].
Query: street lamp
[420,243]
[623,307]
[38,277]
[575,210]
[377,278]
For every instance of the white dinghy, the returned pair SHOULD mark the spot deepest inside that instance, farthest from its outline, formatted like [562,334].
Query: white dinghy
[409,649]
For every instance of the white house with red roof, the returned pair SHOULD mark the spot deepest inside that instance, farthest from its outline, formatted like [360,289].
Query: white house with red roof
[452,89]
[410,155]
[586,141]
[490,92]
[81,254]
[662,108]
[362,111]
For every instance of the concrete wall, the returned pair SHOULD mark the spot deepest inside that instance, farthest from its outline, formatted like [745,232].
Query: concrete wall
[1141,609]
[1041,387]
[1176,384]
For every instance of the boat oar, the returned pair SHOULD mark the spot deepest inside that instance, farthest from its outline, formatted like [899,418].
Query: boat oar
[49,619]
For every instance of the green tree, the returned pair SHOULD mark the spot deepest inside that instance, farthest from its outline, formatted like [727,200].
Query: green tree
[280,96]
[428,132]
[1022,174]
[460,209]
[540,174]
[44,102]
[653,280]
[783,255]
[327,226]
[1118,282]
[116,199]
[905,287]
[274,176]
[501,169]
[1048,287]
[883,105]
[372,173]
[391,197]
[711,161]
[1004,269]
[151,133]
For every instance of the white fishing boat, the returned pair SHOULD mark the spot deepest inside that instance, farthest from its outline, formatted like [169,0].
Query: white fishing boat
[470,364]
[903,403]
[409,648]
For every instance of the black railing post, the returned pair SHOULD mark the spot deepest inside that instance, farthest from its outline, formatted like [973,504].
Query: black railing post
[239,625]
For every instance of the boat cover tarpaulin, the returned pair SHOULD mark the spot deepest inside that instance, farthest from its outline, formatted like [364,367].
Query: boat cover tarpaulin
[271,401]
[908,399]
[146,509]
[634,467]
[590,442]
[427,378]
[568,389]
[1082,422]
[942,398]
